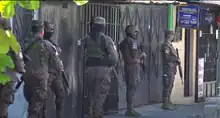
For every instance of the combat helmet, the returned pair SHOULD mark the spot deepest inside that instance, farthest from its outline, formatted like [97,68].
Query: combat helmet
[130,30]
[37,26]
[98,20]
[48,27]
[169,33]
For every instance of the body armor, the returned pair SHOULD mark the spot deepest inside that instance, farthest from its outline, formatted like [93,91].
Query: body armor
[95,49]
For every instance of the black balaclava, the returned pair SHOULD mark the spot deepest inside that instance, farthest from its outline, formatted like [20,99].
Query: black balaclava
[48,29]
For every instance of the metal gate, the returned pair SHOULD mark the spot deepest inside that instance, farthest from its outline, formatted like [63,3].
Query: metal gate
[72,23]
[152,21]
[22,23]
[207,50]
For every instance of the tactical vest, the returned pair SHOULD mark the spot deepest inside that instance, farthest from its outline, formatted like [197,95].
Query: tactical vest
[96,52]
[39,63]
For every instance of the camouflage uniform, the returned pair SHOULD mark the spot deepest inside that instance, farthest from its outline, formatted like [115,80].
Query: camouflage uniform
[36,78]
[132,56]
[101,55]
[55,81]
[170,61]
[7,90]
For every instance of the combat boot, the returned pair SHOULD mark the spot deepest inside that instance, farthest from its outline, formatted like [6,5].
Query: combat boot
[166,105]
[173,105]
[132,113]
[90,112]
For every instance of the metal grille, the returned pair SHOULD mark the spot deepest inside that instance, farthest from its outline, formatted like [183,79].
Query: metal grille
[22,23]
[151,21]
[110,12]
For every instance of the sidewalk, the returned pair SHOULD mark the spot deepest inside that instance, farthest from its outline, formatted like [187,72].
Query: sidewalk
[154,111]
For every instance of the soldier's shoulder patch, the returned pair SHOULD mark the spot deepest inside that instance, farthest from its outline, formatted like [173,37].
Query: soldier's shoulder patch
[167,51]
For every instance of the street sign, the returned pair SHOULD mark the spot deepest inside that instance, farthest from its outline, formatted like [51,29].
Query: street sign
[206,17]
[188,16]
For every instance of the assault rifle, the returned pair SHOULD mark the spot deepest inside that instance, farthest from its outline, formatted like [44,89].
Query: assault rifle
[65,80]
[63,73]
[143,64]
[179,66]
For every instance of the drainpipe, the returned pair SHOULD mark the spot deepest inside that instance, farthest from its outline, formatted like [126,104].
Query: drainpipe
[170,17]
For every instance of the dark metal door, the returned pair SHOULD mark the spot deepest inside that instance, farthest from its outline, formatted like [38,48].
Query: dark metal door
[151,20]
[111,14]
[207,48]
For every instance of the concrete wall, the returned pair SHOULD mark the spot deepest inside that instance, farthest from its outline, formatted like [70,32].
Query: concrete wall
[177,96]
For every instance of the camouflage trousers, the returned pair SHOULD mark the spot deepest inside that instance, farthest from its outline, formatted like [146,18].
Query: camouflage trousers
[37,93]
[57,87]
[98,81]
[168,80]
[132,78]
[6,98]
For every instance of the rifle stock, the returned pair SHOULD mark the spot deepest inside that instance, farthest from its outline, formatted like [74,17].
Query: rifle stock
[179,67]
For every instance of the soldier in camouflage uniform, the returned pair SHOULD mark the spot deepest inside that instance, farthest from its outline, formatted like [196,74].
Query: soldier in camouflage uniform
[170,62]
[55,80]
[101,56]
[132,56]
[36,78]
[7,90]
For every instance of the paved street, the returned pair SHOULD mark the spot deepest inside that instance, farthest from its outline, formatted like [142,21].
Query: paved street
[154,111]
[19,108]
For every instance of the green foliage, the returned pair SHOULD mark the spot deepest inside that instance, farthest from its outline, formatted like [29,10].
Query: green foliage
[31,4]
[4,78]
[6,61]
[80,2]
[4,45]
[7,38]
[9,10]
